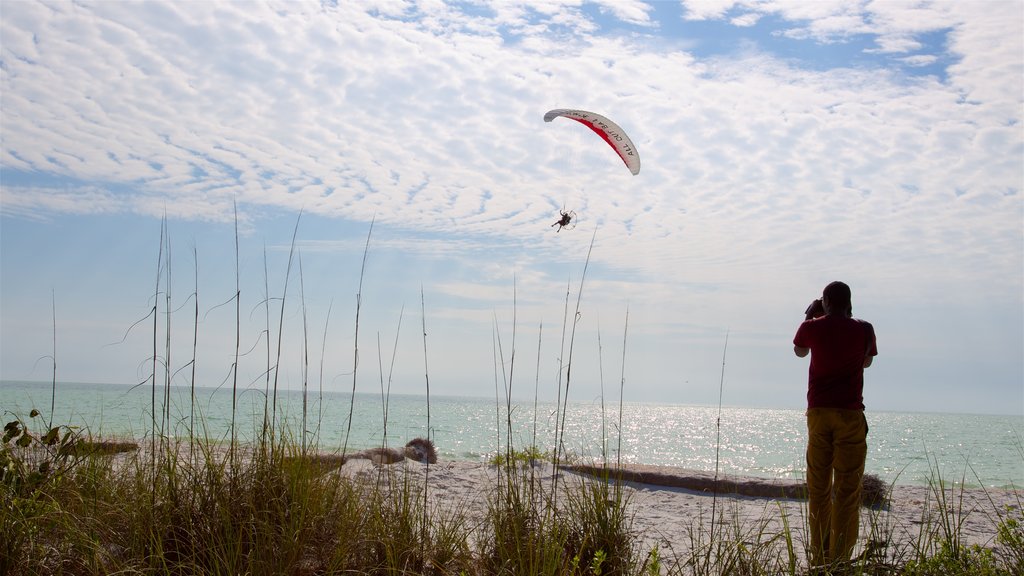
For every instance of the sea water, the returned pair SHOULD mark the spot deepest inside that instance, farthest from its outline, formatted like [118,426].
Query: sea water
[908,448]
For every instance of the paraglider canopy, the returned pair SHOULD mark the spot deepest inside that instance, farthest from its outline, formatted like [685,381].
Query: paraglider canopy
[609,131]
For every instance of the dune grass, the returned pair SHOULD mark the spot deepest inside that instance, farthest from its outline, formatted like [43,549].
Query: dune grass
[201,510]
[188,504]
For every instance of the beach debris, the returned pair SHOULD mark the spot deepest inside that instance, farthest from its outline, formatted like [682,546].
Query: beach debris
[421,450]
[874,492]
[417,449]
[381,456]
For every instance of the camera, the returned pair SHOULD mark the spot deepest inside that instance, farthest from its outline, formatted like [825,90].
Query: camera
[815,310]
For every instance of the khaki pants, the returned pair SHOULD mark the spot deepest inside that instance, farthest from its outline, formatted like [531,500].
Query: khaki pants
[836,449]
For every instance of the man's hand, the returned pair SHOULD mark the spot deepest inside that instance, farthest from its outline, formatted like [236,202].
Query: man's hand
[815,310]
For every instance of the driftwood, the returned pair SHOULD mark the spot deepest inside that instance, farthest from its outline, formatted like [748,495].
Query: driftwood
[874,493]
[695,481]
[417,449]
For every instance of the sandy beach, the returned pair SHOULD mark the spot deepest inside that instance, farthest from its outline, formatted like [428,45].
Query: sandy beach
[666,512]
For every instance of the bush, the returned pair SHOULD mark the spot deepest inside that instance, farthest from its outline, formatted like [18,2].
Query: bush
[952,561]
[1010,540]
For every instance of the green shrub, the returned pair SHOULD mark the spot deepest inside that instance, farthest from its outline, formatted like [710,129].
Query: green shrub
[28,460]
[29,464]
[971,560]
[1010,540]
[526,456]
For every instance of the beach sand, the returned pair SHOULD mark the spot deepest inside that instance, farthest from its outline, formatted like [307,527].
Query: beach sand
[670,504]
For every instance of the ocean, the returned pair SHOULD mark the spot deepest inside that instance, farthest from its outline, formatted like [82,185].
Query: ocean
[903,447]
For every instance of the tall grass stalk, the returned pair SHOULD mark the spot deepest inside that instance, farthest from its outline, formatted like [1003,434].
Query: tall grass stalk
[536,384]
[558,379]
[718,434]
[536,395]
[53,386]
[323,356]
[426,369]
[156,317]
[600,372]
[280,332]
[622,387]
[195,348]
[355,343]
[266,333]
[792,559]
[168,285]
[305,354]
[238,333]
[512,360]
[950,517]
[506,381]
[568,370]
[385,392]
[426,380]
[495,345]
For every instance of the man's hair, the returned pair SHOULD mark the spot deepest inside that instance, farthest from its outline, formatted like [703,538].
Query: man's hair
[838,295]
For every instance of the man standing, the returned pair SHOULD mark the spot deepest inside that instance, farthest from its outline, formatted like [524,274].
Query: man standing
[841,347]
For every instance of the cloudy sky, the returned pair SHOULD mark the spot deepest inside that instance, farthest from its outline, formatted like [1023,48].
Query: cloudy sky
[784,144]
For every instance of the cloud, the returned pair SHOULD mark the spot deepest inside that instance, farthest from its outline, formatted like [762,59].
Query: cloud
[632,12]
[760,172]
[919,60]
[707,10]
[441,125]
[428,118]
[38,203]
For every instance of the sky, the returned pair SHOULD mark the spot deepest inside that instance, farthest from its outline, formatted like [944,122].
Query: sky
[377,184]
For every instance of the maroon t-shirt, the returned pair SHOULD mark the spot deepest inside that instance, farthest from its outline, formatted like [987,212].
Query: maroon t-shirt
[838,346]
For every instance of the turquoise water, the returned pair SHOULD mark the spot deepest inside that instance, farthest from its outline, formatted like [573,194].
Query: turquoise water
[909,448]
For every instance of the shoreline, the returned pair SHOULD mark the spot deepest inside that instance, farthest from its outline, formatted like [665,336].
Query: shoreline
[653,474]
[905,447]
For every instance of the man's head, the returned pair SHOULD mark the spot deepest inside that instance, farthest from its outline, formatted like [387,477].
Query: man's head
[836,299]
